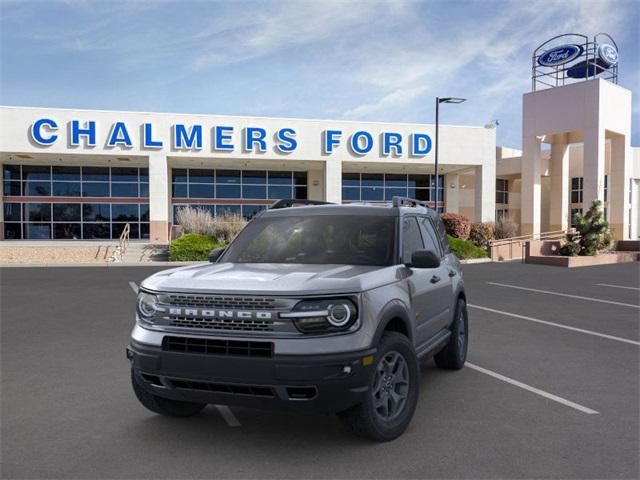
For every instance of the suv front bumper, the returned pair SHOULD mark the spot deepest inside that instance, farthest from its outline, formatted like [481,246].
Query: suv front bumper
[318,383]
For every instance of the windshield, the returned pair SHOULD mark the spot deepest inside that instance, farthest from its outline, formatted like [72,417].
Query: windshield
[318,239]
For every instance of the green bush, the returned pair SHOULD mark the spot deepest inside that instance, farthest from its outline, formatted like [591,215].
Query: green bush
[192,247]
[464,249]
[591,235]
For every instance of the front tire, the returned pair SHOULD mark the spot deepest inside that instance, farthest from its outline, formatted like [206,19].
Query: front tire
[454,354]
[164,406]
[392,395]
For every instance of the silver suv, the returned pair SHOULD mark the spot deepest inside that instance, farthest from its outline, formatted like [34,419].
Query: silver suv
[314,308]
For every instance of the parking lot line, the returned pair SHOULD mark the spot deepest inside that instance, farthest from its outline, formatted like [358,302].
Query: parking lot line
[537,391]
[617,286]
[590,299]
[552,324]
[228,415]
[134,287]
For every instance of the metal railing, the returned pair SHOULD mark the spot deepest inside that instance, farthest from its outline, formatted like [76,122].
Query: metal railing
[520,242]
[123,244]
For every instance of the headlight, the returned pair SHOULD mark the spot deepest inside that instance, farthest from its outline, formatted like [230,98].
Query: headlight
[147,306]
[323,316]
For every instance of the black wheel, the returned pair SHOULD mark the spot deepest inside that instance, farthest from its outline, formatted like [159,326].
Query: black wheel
[454,354]
[164,406]
[392,395]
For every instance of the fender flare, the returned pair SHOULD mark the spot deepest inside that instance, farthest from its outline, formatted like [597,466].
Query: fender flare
[392,310]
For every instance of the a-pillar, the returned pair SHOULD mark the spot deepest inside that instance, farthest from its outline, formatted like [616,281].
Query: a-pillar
[451,192]
[593,167]
[485,192]
[618,188]
[531,186]
[159,198]
[333,181]
[559,196]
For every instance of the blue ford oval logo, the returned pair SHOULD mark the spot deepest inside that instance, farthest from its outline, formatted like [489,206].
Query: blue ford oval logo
[608,54]
[560,55]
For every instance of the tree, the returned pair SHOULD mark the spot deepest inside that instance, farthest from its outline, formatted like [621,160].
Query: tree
[591,235]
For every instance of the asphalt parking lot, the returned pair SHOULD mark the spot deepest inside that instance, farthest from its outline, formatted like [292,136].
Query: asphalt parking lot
[551,389]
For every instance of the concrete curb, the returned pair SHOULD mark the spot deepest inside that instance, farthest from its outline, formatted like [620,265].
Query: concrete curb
[475,260]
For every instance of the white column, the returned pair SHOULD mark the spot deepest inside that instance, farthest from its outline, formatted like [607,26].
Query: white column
[593,167]
[531,188]
[333,180]
[452,192]
[159,198]
[485,192]
[618,188]
[315,180]
[559,204]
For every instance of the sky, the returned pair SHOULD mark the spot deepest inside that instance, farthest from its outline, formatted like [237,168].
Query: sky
[344,60]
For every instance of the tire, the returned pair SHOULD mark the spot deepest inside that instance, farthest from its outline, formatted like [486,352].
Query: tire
[164,406]
[368,419]
[454,354]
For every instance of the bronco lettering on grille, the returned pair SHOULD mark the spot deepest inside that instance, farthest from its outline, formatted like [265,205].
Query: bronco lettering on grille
[208,313]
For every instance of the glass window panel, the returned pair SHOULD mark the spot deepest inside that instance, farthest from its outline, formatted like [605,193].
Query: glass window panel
[233,209]
[70,231]
[12,231]
[179,175]
[389,193]
[419,181]
[575,183]
[144,190]
[95,189]
[37,231]
[250,211]
[350,193]
[66,189]
[200,175]
[144,174]
[395,180]
[227,191]
[124,190]
[254,191]
[144,212]
[227,176]
[411,238]
[66,212]
[372,180]
[254,177]
[280,178]
[124,212]
[419,194]
[117,228]
[124,174]
[198,190]
[276,193]
[96,212]
[11,172]
[575,198]
[37,189]
[95,174]
[36,172]
[207,208]
[37,212]
[12,189]
[66,173]
[351,179]
[300,193]
[12,212]
[179,190]
[300,178]
[372,193]
[440,181]
[144,230]
[96,230]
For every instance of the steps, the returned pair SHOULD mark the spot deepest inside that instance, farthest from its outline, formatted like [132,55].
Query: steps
[145,252]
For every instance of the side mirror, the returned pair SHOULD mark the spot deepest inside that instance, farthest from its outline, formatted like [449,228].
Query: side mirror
[215,254]
[425,259]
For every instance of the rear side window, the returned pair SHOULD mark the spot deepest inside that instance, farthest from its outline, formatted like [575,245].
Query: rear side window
[411,238]
[429,236]
[442,234]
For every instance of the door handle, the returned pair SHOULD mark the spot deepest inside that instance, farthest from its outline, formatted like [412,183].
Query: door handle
[452,273]
[435,279]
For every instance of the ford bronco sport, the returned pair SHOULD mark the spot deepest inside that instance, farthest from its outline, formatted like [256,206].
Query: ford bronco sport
[314,308]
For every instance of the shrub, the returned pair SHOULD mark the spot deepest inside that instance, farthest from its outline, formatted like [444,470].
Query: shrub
[464,249]
[458,226]
[192,247]
[227,226]
[481,234]
[591,235]
[505,227]
[223,228]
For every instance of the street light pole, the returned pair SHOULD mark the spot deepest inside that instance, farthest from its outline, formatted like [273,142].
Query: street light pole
[438,102]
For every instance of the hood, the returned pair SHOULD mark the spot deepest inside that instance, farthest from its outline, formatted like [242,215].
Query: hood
[272,278]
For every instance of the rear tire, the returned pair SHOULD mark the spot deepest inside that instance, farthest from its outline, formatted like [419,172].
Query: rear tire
[392,395]
[454,354]
[164,406]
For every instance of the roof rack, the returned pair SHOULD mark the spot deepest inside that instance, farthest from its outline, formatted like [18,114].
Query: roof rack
[290,202]
[407,202]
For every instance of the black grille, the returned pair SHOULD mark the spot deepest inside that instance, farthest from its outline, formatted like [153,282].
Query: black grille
[222,302]
[218,347]
[207,323]
[254,390]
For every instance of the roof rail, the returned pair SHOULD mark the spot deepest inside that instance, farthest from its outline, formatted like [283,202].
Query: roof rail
[290,202]
[407,202]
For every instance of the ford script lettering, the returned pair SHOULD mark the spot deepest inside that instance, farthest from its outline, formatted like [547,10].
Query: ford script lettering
[222,314]
[560,55]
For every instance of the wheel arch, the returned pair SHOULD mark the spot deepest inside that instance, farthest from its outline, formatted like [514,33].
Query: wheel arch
[394,318]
